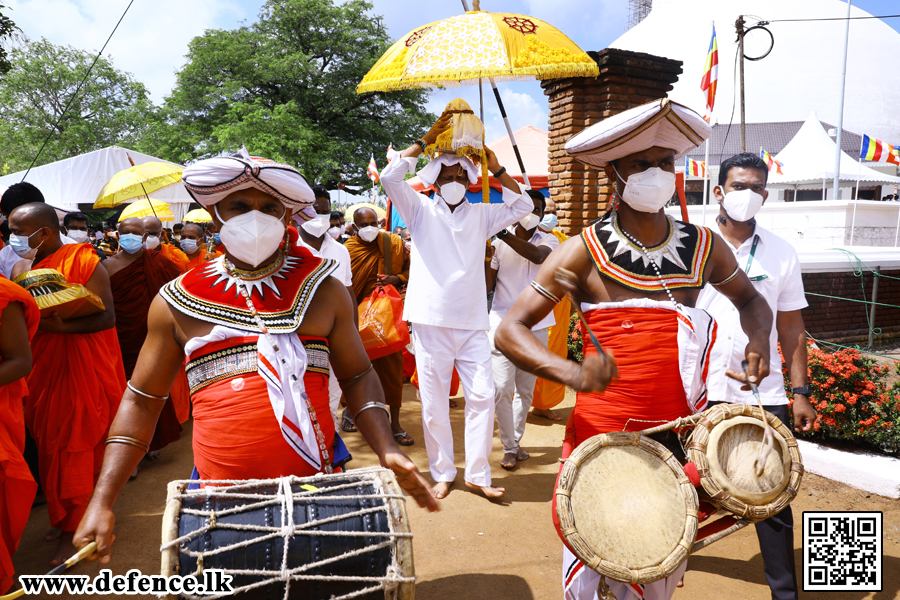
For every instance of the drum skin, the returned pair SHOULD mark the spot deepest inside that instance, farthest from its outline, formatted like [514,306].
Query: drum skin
[267,555]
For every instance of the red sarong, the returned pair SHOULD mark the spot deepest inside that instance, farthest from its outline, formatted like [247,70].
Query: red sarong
[236,434]
[17,486]
[134,289]
[74,391]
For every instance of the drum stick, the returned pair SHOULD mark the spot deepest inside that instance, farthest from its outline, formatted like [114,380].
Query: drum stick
[59,570]
[569,281]
[759,464]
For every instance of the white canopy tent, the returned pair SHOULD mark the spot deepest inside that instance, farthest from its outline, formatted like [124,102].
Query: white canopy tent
[78,180]
[808,160]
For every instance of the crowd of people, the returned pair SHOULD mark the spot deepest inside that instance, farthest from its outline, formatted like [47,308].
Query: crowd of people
[256,313]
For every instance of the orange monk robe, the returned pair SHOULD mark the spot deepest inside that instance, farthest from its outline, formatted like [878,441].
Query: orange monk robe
[175,255]
[17,486]
[367,262]
[201,259]
[73,394]
[548,394]
[133,289]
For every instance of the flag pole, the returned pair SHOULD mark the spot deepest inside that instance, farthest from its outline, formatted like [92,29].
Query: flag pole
[705,182]
[840,123]
[859,166]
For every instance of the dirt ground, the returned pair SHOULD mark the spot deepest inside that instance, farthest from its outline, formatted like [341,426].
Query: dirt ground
[476,549]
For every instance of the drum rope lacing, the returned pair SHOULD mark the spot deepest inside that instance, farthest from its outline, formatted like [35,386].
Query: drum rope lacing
[286,498]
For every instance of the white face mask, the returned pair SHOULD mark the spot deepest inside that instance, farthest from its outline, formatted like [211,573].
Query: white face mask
[368,233]
[742,205]
[336,232]
[152,242]
[452,193]
[650,190]
[407,245]
[78,235]
[529,221]
[190,246]
[178,237]
[318,226]
[251,237]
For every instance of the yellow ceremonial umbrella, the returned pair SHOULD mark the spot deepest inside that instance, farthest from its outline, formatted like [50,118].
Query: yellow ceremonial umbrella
[348,213]
[151,208]
[476,45]
[139,180]
[198,215]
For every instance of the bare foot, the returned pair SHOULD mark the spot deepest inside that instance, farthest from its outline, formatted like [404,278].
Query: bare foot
[65,549]
[153,455]
[522,455]
[490,492]
[52,535]
[441,489]
[509,461]
[135,472]
[453,403]
[680,582]
[546,413]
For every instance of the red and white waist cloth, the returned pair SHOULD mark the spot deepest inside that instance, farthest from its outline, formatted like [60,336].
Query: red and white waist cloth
[662,351]
[251,419]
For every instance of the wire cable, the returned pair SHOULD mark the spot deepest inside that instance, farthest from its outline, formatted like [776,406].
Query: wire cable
[78,89]
[834,19]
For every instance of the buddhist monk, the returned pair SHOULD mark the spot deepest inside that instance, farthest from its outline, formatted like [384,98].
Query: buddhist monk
[77,380]
[19,318]
[193,243]
[155,243]
[136,276]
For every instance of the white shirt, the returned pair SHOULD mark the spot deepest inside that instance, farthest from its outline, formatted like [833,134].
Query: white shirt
[514,274]
[335,251]
[446,279]
[9,258]
[782,289]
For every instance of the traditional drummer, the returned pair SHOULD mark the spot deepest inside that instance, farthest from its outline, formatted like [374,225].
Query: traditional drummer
[639,273]
[259,327]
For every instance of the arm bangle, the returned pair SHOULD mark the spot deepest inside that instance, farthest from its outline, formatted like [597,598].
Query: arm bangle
[369,405]
[351,381]
[144,394]
[420,144]
[545,292]
[500,172]
[128,441]
[737,270]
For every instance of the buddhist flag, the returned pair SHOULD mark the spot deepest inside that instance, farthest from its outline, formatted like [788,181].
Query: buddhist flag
[372,171]
[390,150]
[697,168]
[773,164]
[878,151]
[711,75]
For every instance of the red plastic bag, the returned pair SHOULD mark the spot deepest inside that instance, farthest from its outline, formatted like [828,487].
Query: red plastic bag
[381,325]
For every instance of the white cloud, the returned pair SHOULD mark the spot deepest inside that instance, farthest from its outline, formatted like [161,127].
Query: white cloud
[151,41]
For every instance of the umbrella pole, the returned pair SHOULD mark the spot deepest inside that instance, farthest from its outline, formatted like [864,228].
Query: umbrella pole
[512,138]
[143,189]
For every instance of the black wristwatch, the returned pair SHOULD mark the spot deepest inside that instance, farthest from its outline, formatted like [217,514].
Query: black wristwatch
[803,390]
[502,234]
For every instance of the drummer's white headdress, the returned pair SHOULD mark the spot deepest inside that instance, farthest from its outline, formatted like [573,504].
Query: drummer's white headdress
[660,123]
[209,181]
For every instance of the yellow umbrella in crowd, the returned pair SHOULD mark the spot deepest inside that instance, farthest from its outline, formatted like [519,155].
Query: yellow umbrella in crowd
[348,214]
[198,215]
[466,48]
[139,180]
[144,208]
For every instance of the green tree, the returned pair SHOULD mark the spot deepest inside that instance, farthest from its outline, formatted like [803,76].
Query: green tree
[284,87]
[8,31]
[111,107]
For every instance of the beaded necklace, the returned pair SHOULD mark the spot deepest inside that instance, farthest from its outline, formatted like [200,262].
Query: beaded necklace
[242,288]
[638,243]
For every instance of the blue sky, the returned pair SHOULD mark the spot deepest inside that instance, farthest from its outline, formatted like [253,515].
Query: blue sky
[153,38]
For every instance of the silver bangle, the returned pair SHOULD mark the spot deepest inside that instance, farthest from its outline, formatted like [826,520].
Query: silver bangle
[373,404]
[737,270]
[144,394]
[545,292]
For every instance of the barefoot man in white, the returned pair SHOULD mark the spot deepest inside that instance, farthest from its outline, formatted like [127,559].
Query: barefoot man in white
[446,300]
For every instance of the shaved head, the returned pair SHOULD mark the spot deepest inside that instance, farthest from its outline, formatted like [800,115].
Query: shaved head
[40,224]
[132,225]
[38,214]
[192,231]
[363,217]
[153,225]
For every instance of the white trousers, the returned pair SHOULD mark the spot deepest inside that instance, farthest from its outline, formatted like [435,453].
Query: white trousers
[581,583]
[334,398]
[438,350]
[513,393]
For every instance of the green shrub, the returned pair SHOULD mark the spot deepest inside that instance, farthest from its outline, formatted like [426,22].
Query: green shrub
[574,341]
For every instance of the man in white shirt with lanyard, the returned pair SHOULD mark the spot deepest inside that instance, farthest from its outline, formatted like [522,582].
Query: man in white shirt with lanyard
[446,298]
[518,256]
[772,266]
[314,223]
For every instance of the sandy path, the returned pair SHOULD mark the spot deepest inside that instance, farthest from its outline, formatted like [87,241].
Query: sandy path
[477,549]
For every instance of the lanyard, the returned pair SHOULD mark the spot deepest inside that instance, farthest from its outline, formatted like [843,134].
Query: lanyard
[750,260]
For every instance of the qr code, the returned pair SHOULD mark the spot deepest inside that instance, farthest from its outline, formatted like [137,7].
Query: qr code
[842,551]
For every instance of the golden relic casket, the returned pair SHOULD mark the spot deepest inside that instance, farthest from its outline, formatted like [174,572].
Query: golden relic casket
[54,294]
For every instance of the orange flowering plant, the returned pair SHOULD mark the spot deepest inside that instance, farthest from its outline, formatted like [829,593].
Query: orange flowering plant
[849,393]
